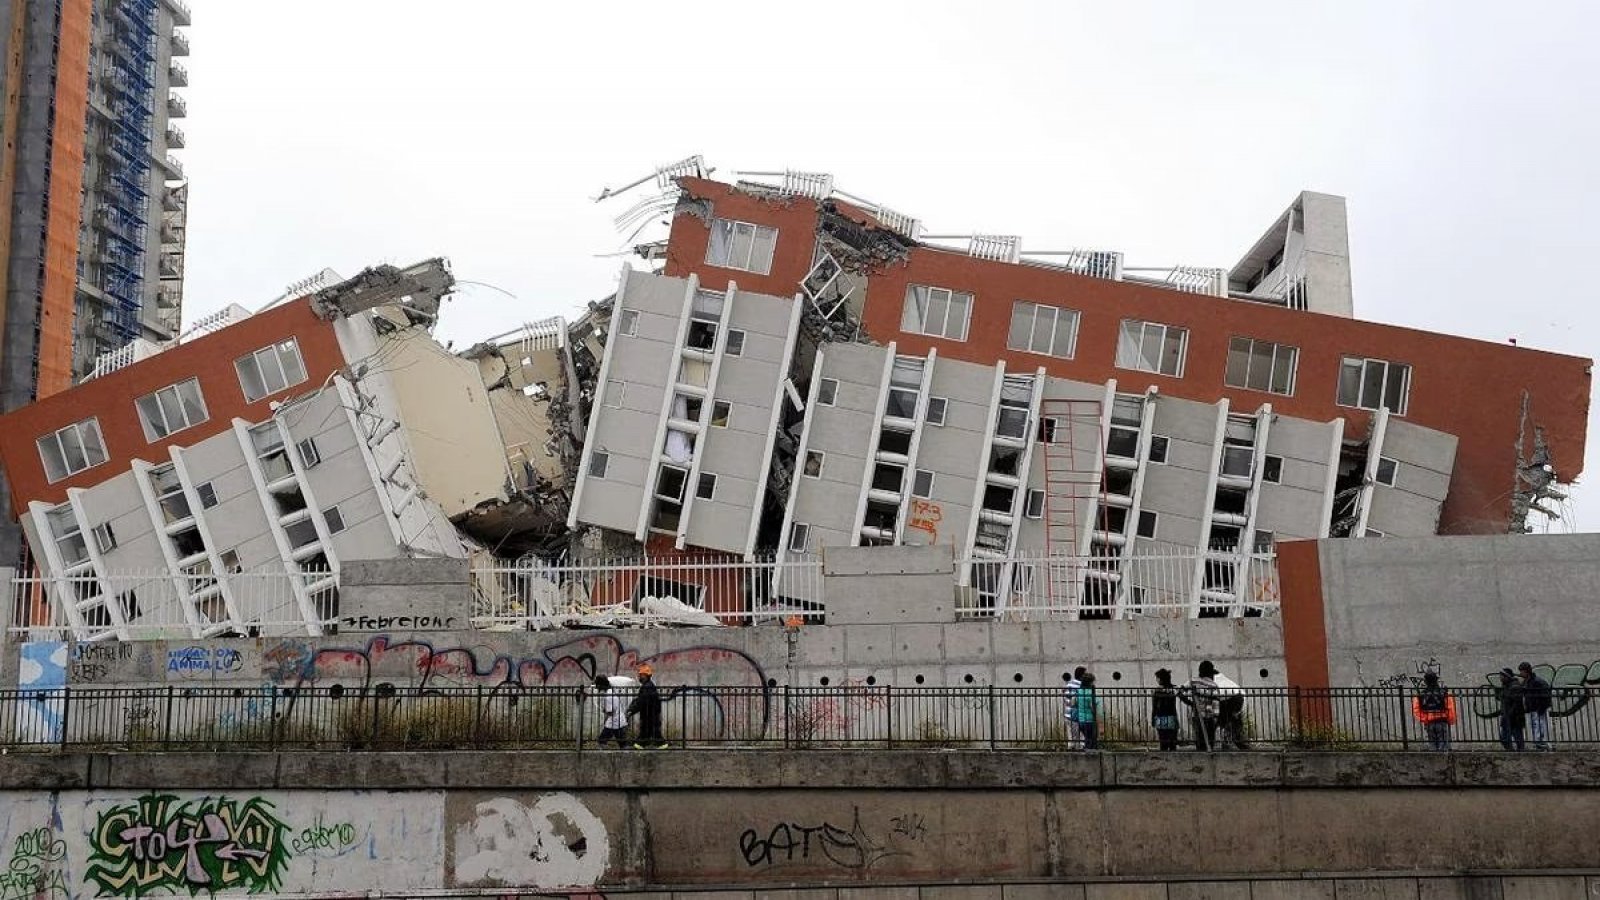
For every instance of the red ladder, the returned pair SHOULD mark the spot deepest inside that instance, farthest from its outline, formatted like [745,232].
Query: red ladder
[1069,431]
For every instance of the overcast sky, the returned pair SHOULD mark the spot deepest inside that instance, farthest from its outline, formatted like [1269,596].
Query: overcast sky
[347,132]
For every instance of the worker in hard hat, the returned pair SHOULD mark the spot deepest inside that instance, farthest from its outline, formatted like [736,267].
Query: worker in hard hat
[647,706]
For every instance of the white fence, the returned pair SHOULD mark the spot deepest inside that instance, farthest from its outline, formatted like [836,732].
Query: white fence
[156,603]
[702,590]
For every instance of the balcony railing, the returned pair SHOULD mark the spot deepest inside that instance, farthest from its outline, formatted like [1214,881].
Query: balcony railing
[176,107]
[175,138]
[177,76]
[180,44]
[179,10]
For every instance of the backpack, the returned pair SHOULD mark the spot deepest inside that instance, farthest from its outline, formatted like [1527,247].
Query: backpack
[1431,700]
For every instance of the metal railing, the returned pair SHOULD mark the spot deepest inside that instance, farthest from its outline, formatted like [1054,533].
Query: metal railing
[385,717]
[1142,583]
[156,603]
[704,590]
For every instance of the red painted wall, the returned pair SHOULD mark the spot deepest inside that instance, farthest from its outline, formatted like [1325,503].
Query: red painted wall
[111,399]
[1472,389]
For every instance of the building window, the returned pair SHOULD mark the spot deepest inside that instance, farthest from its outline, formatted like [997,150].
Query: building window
[1238,447]
[1047,430]
[937,407]
[105,540]
[267,439]
[301,533]
[598,462]
[309,455]
[1261,366]
[922,484]
[333,519]
[628,322]
[173,408]
[1127,420]
[721,412]
[670,482]
[270,369]
[1159,444]
[169,493]
[68,535]
[73,449]
[1152,347]
[1047,330]
[1265,541]
[1387,468]
[936,312]
[813,466]
[741,245]
[707,489]
[827,391]
[1147,523]
[1375,384]
[1272,469]
[1033,505]
[799,537]
[230,562]
[735,342]
[208,495]
[614,394]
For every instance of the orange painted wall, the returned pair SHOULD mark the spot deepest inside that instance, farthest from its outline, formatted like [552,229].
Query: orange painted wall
[66,199]
[8,135]
[111,399]
[1469,388]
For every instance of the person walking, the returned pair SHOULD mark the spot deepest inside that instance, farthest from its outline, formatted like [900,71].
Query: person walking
[614,722]
[1201,696]
[1435,708]
[1164,710]
[1069,707]
[1536,702]
[1088,712]
[647,706]
[1513,715]
[1230,713]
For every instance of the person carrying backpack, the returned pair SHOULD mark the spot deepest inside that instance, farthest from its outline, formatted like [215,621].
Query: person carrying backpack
[1536,701]
[1069,708]
[1203,696]
[1435,708]
[1088,713]
[1164,710]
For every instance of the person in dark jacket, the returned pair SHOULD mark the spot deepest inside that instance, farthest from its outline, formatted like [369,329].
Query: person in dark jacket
[1513,715]
[1203,696]
[1088,709]
[1164,710]
[1536,701]
[647,706]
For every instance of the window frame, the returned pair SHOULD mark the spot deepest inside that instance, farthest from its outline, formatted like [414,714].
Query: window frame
[825,396]
[1029,507]
[822,463]
[105,538]
[310,455]
[204,490]
[1155,523]
[735,342]
[598,459]
[701,491]
[926,493]
[726,415]
[1133,361]
[276,350]
[79,428]
[1363,362]
[949,299]
[1394,471]
[154,432]
[730,243]
[1269,462]
[801,530]
[1278,354]
[628,322]
[1056,312]
[331,515]
[944,410]
[606,393]
[1166,449]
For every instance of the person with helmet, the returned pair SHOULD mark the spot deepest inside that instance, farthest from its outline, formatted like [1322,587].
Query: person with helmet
[647,706]
[1435,708]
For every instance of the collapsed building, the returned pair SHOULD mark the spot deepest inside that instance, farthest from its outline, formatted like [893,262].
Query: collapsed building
[796,368]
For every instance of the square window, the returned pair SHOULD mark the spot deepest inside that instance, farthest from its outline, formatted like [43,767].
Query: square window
[1046,330]
[1159,444]
[73,449]
[936,410]
[628,321]
[1272,469]
[334,520]
[922,484]
[1047,431]
[799,537]
[105,540]
[813,466]
[614,393]
[308,453]
[1152,347]
[1033,508]
[1374,384]
[230,562]
[270,370]
[1147,523]
[936,312]
[670,482]
[208,495]
[173,408]
[827,391]
[721,411]
[1261,366]
[741,245]
[1265,541]
[735,342]
[599,461]
[1387,469]
[707,488]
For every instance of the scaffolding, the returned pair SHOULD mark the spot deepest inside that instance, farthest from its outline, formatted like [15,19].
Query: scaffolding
[1069,431]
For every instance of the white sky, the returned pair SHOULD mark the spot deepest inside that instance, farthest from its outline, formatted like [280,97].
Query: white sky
[347,132]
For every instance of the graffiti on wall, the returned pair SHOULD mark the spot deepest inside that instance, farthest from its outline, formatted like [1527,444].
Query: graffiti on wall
[41,674]
[926,516]
[557,842]
[203,662]
[34,871]
[684,673]
[1571,687]
[159,844]
[847,848]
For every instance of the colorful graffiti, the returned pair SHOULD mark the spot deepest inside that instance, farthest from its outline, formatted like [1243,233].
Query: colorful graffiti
[684,673]
[159,844]
[41,674]
[556,843]
[194,662]
[926,516]
[35,868]
[1571,689]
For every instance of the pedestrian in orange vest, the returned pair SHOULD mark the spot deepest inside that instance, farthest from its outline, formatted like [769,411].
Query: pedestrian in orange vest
[1435,708]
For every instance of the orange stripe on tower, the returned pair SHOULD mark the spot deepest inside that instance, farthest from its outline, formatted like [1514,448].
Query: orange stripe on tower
[66,199]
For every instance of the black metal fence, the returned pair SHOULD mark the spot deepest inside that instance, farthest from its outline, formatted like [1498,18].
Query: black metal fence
[511,716]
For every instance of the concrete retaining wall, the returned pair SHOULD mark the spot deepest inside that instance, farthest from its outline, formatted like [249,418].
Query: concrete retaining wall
[410,824]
